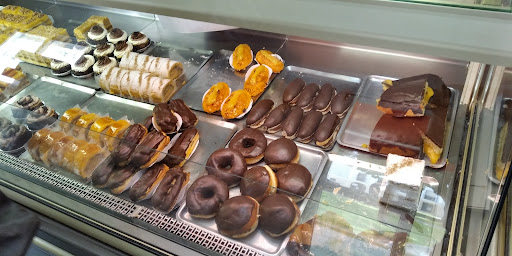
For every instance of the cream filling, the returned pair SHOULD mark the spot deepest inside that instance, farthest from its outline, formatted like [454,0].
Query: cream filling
[96,37]
[123,37]
[58,65]
[107,51]
[84,66]
[99,69]
[127,49]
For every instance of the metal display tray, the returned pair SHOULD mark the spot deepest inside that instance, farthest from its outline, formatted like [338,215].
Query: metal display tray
[117,107]
[362,117]
[215,71]
[497,123]
[339,82]
[312,158]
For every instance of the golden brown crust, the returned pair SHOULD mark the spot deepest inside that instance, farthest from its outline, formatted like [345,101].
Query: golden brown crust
[266,57]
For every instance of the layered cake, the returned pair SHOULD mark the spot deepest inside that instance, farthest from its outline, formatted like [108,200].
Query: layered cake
[82,30]
[44,35]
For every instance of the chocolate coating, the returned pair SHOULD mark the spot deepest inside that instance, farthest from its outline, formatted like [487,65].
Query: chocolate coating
[277,214]
[164,118]
[147,148]
[120,175]
[327,127]
[101,175]
[255,183]
[293,89]
[404,96]
[96,30]
[116,33]
[277,115]
[249,142]
[281,151]
[137,35]
[307,95]
[234,214]
[148,123]
[227,164]
[205,195]
[310,123]
[341,102]
[140,188]
[295,179]
[177,153]
[131,137]
[324,97]
[292,122]
[260,110]
[170,187]
[187,116]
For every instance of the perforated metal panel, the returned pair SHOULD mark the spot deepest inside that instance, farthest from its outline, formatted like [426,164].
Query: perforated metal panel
[211,241]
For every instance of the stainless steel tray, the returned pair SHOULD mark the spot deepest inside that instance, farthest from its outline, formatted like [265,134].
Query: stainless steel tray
[215,71]
[118,107]
[361,119]
[339,82]
[312,158]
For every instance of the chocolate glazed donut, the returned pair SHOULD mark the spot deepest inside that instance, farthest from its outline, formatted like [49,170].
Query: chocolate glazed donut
[228,165]
[251,143]
[205,196]
[238,216]
[170,187]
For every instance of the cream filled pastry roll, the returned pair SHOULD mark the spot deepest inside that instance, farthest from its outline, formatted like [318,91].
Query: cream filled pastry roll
[161,90]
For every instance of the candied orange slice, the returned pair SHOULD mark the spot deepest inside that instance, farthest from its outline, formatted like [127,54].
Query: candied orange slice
[257,80]
[266,57]
[242,57]
[214,97]
[236,104]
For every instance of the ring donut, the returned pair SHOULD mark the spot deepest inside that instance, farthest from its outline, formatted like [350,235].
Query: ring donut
[251,143]
[205,196]
[228,165]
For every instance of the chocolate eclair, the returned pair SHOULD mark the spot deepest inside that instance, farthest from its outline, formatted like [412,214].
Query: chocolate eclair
[117,35]
[24,105]
[131,137]
[165,119]
[341,103]
[292,91]
[106,49]
[324,97]
[280,153]
[259,113]
[97,35]
[325,135]
[309,124]
[148,123]
[188,118]
[295,181]
[101,175]
[102,64]
[274,120]
[292,122]
[41,117]
[123,178]
[82,68]
[183,148]
[307,96]
[146,185]
[150,149]
[121,49]
[139,41]
[170,188]
[60,68]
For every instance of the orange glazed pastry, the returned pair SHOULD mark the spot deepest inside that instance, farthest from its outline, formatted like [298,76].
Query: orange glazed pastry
[274,61]
[98,127]
[214,97]
[237,104]
[257,79]
[241,57]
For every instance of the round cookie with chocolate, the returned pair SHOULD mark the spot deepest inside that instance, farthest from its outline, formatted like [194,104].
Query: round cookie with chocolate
[280,153]
[259,113]
[106,49]
[292,123]
[276,117]
[167,193]
[121,49]
[307,96]
[259,182]
[292,91]
[205,196]
[323,100]
[97,35]
[102,64]
[308,127]
[82,68]
[188,117]
[295,181]
[341,103]
[278,215]
[228,165]
[251,143]
[238,216]
[325,135]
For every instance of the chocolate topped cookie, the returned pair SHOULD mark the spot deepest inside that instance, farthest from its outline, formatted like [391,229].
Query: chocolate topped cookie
[259,113]
[293,90]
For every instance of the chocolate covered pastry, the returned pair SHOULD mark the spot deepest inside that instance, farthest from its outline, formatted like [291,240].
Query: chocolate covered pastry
[188,117]
[41,117]
[14,137]
[405,98]
[323,100]
[24,105]
[292,91]
[259,113]
[341,103]
[276,117]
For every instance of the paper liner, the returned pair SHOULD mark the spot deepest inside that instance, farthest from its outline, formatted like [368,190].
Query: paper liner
[231,61]
[243,114]
[179,200]
[67,73]
[275,55]
[204,95]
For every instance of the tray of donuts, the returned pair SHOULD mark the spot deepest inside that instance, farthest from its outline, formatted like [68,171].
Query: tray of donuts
[310,109]
[253,190]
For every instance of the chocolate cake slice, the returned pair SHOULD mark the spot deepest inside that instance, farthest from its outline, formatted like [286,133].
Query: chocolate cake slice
[405,97]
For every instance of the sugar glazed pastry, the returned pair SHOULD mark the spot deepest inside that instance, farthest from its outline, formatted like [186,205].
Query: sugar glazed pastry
[69,118]
[236,105]
[256,79]
[215,96]
[241,58]
[205,196]
[238,216]
[274,61]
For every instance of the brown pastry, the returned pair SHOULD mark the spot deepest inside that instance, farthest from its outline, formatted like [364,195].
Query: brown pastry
[166,195]
[131,138]
[87,158]
[259,113]
[47,144]
[69,152]
[165,119]
[292,123]
[150,149]
[280,153]
[341,103]
[276,117]
[145,186]
[323,100]
[307,96]
[148,123]
[325,135]
[183,148]
[101,175]
[238,216]
[251,143]
[278,215]
[295,181]
[205,196]
[405,98]
[308,127]
[188,117]
[35,141]
[55,154]
[228,165]
[259,182]
[292,91]
[122,178]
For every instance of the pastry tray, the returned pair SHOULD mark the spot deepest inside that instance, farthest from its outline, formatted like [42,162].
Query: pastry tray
[497,123]
[215,71]
[339,82]
[312,158]
[117,107]
[362,117]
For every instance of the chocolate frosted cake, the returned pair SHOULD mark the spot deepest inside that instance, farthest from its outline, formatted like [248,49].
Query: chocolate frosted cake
[103,63]
[41,117]
[405,98]
[117,35]
[121,49]
[97,35]
[83,67]
[60,68]
[139,41]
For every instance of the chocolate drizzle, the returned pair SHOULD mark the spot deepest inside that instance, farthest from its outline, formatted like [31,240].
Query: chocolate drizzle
[116,33]
[103,60]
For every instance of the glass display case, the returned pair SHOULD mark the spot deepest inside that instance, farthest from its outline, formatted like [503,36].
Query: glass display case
[140,144]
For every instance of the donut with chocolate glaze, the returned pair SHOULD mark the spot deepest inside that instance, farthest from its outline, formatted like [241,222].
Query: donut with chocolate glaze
[238,216]
[326,133]
[259,113]
[292,123]
[341,103]
[274,120]
[278,215]
[292,91]
[307,96]
[308,127]
[166,195]
[165,119]
[148,182]
[205,196]
[131,137]
[259,182]
[280,153]
[188,117]
[295,181]
[323,100]
[149,149]
[228,165]
[251,143]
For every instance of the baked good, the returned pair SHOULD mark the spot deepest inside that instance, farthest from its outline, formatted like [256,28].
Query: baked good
[405,98]
[280,153]
[278,215]
[98,127]
[259,113]
[402,182]
[292,122]
[373,242]
[324,97]
[274,120]
[69,118]
[101,175]
[146,185]
[228,165]
[205,196]
[238,216]
[341,103]
[24,105]
[97,35]
[123,178]
[274,61]
[215,96]
[251,143]
[47,144]
[292,91]
[183,148]
[300,239]
[258,183]
[81,31]
[87,158]
[307,96]
[4,122]
[14,137]
[161,89]
[69,152]
[295,181]
[82,68]
[166,195]
[35,141]
[55,154]
[309,125]
[150,149]
[148,123]
[130,139]
[165,119]
[83,125]
[46,35]
[60,68]
[114,132]
[188,118]
[122,48]
[117,35]
[105,49]
[162,67]
[41,117]
[325,135]
[18,80]
[256,79]
[236,105]
[139,41]
[84,48]
[102,64]
[241,58]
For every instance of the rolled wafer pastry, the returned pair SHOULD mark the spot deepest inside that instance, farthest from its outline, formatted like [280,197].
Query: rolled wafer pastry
[145,86]
[126,82]
[161,90]
[137,85]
